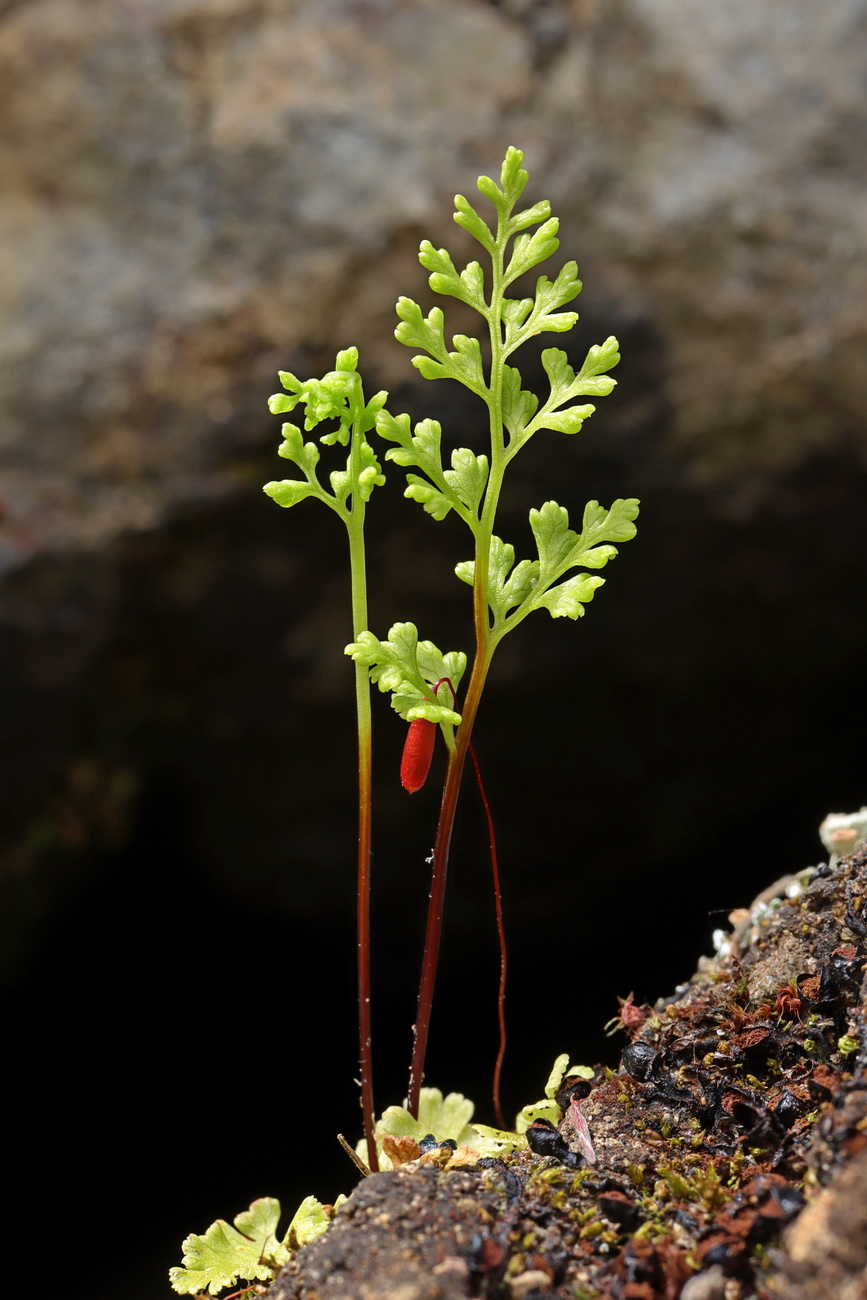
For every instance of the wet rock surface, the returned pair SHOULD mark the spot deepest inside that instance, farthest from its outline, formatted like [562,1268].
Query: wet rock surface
[737,1108]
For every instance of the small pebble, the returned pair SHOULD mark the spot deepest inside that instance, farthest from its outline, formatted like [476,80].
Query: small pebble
[709,1285]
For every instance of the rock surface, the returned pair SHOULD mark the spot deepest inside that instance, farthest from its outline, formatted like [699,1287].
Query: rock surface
[731,1104]
[195,191]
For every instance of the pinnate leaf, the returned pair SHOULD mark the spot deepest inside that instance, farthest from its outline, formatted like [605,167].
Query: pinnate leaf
[508,586]
[467,477]
[409,668]
[447,490]
[468,286]
[418,331]
[518,405]
[561,548]
[529,250]
[513,177]
[466,216]
[435,502]
[530,216]
[568,598]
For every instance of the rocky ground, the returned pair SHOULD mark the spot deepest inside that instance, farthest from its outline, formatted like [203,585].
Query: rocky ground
[725,1160]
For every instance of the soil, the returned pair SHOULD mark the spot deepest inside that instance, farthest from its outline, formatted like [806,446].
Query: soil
[729,1147]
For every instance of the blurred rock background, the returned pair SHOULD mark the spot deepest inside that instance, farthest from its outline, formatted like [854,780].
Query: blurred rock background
[195,193]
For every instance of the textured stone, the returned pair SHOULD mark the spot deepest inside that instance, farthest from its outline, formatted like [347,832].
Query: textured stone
[197,191]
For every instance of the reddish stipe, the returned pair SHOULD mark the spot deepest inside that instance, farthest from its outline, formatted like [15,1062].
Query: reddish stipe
[501,934]
[414,768]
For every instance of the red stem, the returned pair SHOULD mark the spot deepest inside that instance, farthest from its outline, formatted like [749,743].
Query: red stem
[442,843]
[501,934]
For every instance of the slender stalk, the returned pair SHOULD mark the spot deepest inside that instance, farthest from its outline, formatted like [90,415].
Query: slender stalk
[442,845]
[501,936]
[358,576]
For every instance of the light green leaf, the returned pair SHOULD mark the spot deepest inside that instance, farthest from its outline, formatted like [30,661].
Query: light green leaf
[417,331]
[467,477]
[513,178]
[372,410]
[466,216]
[310,1220]
[614,525]
[566,385]
[555,1078]
[440,494]
[370,475]
[519,406]
[568,421]
[249,1250]
[555,540]
[423,449]
[497,1141]
[560,548]
[409,668]
[537,1110]
[529,250]
[469,286]
[288,491]
[436,503]
[569,598]
[551,294]
[507,586]
[444,1117]
[514,312]
[601,357]
[530,216]
[464,364]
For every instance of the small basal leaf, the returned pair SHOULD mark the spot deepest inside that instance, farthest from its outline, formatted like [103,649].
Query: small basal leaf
[497,1141]
[249,1251]
[537,1110]
[309,1222]
[555,1078]
[445,1117]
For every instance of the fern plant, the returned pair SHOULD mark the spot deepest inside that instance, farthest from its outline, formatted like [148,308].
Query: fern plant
[556,579]
[424,683]
[561,578]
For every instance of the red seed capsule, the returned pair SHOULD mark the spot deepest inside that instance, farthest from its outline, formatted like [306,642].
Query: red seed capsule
[417,754]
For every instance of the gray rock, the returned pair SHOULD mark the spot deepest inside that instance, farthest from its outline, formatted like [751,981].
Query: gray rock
[197,191]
